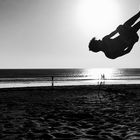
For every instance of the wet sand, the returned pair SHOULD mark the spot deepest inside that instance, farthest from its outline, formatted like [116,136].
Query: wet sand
[109,112]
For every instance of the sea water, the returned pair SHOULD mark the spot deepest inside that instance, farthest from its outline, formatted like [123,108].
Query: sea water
[67,77]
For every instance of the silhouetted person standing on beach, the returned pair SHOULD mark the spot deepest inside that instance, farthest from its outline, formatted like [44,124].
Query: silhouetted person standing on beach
[120,45]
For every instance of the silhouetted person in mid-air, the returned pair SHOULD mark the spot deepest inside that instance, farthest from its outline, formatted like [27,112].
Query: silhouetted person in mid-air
[120,45]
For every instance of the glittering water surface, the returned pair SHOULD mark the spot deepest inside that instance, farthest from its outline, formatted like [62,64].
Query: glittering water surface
[61,77]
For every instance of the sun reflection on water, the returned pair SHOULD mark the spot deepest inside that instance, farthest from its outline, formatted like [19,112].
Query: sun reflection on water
[100,73]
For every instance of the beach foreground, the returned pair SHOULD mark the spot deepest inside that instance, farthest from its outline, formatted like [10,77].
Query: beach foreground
[108,112]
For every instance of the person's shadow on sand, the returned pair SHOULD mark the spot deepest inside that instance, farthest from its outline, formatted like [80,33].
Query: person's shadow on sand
[120,45]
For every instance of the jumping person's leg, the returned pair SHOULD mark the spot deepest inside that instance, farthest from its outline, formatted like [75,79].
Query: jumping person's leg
[132,20]
[136,27]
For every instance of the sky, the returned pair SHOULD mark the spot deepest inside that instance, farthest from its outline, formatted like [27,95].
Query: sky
[56,33]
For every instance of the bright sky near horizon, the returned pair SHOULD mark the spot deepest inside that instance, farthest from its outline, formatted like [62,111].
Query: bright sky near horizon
[56,33]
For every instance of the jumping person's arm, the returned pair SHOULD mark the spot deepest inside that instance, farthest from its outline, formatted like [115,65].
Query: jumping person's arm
[111,34]
[119,28]
[128,49]
[125,51]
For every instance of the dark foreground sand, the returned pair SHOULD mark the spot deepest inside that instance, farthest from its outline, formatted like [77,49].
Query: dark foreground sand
[74,113]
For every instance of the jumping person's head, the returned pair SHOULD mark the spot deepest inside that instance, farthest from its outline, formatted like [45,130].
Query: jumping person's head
[94,45]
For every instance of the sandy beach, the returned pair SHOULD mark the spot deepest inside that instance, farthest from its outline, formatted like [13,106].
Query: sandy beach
[108,112]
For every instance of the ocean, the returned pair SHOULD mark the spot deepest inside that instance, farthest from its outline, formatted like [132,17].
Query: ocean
[10,78]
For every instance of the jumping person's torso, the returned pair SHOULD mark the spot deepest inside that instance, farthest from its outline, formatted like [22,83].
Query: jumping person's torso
[113,48]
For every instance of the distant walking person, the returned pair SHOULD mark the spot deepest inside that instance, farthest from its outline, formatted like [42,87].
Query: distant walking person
[120,45]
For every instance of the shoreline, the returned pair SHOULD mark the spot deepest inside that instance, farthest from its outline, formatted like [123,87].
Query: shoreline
[73,87]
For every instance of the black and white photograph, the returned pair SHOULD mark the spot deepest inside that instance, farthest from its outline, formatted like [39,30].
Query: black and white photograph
[69,70]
